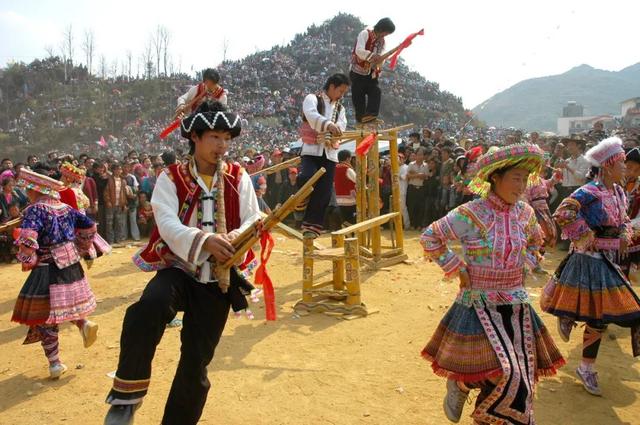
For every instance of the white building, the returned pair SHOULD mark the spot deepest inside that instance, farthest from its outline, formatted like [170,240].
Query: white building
[633,103]
[572,125]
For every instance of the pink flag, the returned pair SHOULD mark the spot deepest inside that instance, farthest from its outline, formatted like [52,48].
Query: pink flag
[102,142]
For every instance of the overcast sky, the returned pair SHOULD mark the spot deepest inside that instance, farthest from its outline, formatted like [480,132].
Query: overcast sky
[474,49]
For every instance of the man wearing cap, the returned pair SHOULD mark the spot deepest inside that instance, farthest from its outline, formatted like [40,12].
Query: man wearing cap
[183,250]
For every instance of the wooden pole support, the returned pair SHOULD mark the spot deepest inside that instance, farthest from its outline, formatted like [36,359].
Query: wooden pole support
[337,241]
[307,269]
[395,190]
[352,268]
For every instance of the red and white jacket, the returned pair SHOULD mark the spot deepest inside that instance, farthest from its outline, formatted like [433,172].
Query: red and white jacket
[219,95]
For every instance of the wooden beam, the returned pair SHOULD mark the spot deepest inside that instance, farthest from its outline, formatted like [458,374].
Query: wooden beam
[250,235]
[275,168]
[366,225]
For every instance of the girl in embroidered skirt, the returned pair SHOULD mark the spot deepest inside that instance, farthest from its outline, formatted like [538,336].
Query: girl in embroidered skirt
[491,339]
[51,239]
[589,286]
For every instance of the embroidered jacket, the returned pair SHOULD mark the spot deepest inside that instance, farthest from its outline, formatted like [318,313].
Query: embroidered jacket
[184,212]
[52,231]
[498,241]
[594,217]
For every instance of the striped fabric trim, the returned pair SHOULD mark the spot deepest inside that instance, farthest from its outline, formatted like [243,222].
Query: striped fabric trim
[197,242]
[127,386]
[486,277]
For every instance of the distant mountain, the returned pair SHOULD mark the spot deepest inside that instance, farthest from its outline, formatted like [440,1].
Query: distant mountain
[536,104]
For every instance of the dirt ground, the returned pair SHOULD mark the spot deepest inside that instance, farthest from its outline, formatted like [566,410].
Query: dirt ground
[314,369]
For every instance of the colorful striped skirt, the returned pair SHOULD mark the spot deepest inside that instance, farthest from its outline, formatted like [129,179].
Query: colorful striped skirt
[504,343]
[52,295]
[460,348]
[591,289]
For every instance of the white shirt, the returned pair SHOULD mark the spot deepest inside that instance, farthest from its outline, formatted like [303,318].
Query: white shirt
[118,186]
[193,91]
[351,175]
[577,176]
[319,123]
[402,174]
[186,242]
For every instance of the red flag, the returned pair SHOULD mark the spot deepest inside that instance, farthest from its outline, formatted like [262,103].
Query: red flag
[102,142]
[363,148]
[262,277]
[169,129]
[404,45]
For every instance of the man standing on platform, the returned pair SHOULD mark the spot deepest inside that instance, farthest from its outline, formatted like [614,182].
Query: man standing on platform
[365,69]
[321,113]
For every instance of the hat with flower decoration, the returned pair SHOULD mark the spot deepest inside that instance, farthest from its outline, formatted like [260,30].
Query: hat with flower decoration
[43,184]
[522,155]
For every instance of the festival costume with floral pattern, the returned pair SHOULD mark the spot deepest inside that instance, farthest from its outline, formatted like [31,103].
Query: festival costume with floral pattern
[491,338]
[588,285]
[52,239]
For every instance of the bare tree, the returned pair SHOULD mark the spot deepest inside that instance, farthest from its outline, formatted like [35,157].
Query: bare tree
[147,58]
[113,72]
[63,54]
[88,47]
[156,40]
[68,43]
[165,37]
[225,48]
[51,52]
[129,58]
[103,67]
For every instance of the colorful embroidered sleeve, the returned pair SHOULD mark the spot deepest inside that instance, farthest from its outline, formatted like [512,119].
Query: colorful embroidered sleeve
[571,219]
[434,241]
[27,236]
[535,239]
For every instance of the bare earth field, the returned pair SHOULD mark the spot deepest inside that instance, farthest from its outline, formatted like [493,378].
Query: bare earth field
[314,369]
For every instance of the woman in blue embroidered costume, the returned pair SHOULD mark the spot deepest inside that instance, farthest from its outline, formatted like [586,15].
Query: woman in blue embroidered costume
[589,285]
[491,339]
[52,239]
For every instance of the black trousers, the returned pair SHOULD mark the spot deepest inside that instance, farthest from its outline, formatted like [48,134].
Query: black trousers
[365,95]
[206,310]
[348,213]
[415,204]
[321,196]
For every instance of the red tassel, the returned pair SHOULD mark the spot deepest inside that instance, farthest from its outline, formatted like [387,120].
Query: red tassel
[406,43]
[169,129]
[262,277]
[363,148]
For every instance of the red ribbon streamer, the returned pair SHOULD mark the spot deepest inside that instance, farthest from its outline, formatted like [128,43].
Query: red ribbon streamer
[406,43]
[262,277]
[363,148]
[169,129]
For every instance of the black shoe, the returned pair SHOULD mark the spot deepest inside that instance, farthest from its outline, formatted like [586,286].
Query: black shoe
[121,415]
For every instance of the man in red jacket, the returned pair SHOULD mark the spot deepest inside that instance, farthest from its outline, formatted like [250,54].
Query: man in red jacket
[345,186]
